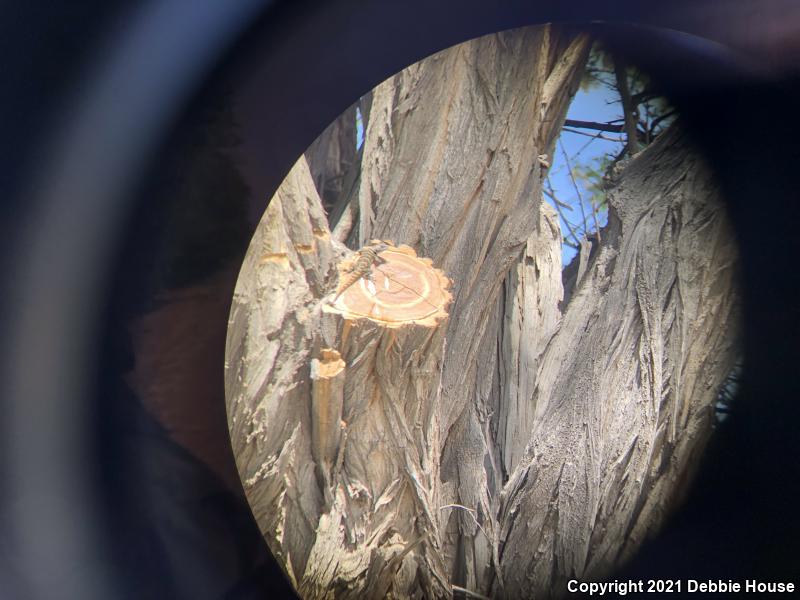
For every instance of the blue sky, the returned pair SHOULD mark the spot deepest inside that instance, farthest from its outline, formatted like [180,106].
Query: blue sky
[598,104]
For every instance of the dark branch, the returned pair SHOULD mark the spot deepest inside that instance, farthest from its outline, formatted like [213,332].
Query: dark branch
[558,205]
[641,97]
[594,125]
[655,122]
[628,109]
[596,136]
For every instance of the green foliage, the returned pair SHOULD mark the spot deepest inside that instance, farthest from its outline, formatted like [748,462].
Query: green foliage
[582,202]
[599,70]
[591,175]
[654,113]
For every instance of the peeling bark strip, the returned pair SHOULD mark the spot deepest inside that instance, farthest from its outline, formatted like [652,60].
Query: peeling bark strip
[380,531]
[327,401]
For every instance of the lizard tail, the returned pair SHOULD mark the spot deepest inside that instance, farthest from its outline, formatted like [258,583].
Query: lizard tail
[346,283]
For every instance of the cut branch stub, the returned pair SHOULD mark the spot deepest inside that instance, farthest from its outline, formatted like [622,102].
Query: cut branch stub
[327,393]
[404,289]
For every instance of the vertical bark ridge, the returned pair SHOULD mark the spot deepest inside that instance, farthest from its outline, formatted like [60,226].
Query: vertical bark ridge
[458,178]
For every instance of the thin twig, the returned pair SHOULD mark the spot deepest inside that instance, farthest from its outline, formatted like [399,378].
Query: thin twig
[573,246]
[552,197]
[627,109]
[587,144]
[642,97]
[575,185]
[471,511]
[458,588]
[594,136]
[591,200]
[658,120]
[560,214]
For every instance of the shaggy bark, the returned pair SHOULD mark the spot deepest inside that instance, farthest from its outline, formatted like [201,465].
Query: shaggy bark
[451,167]
[271,335]
[623,398]
[532,445]
[334,418]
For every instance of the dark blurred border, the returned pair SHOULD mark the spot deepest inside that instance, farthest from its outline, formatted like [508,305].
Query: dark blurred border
[93,96]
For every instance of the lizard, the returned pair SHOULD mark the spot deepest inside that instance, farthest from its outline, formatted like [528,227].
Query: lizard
[362,266]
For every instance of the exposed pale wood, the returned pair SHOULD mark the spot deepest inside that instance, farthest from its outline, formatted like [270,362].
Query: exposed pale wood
[322,400]
[381,535]
[327,400]
[404,290]
[450,167]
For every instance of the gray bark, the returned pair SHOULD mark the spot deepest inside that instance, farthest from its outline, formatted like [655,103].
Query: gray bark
[623,396]
[335,448]
[452,168]
[521,441]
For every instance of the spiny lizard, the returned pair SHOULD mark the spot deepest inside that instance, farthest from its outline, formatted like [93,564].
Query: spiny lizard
[362,266]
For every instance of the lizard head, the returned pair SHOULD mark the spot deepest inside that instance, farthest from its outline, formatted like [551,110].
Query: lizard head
[378,245]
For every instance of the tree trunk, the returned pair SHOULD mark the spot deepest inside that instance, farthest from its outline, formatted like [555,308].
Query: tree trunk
[622,400]
[500,446]
[334,406]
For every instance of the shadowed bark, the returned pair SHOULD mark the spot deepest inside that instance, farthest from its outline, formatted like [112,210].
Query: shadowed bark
[332,156]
